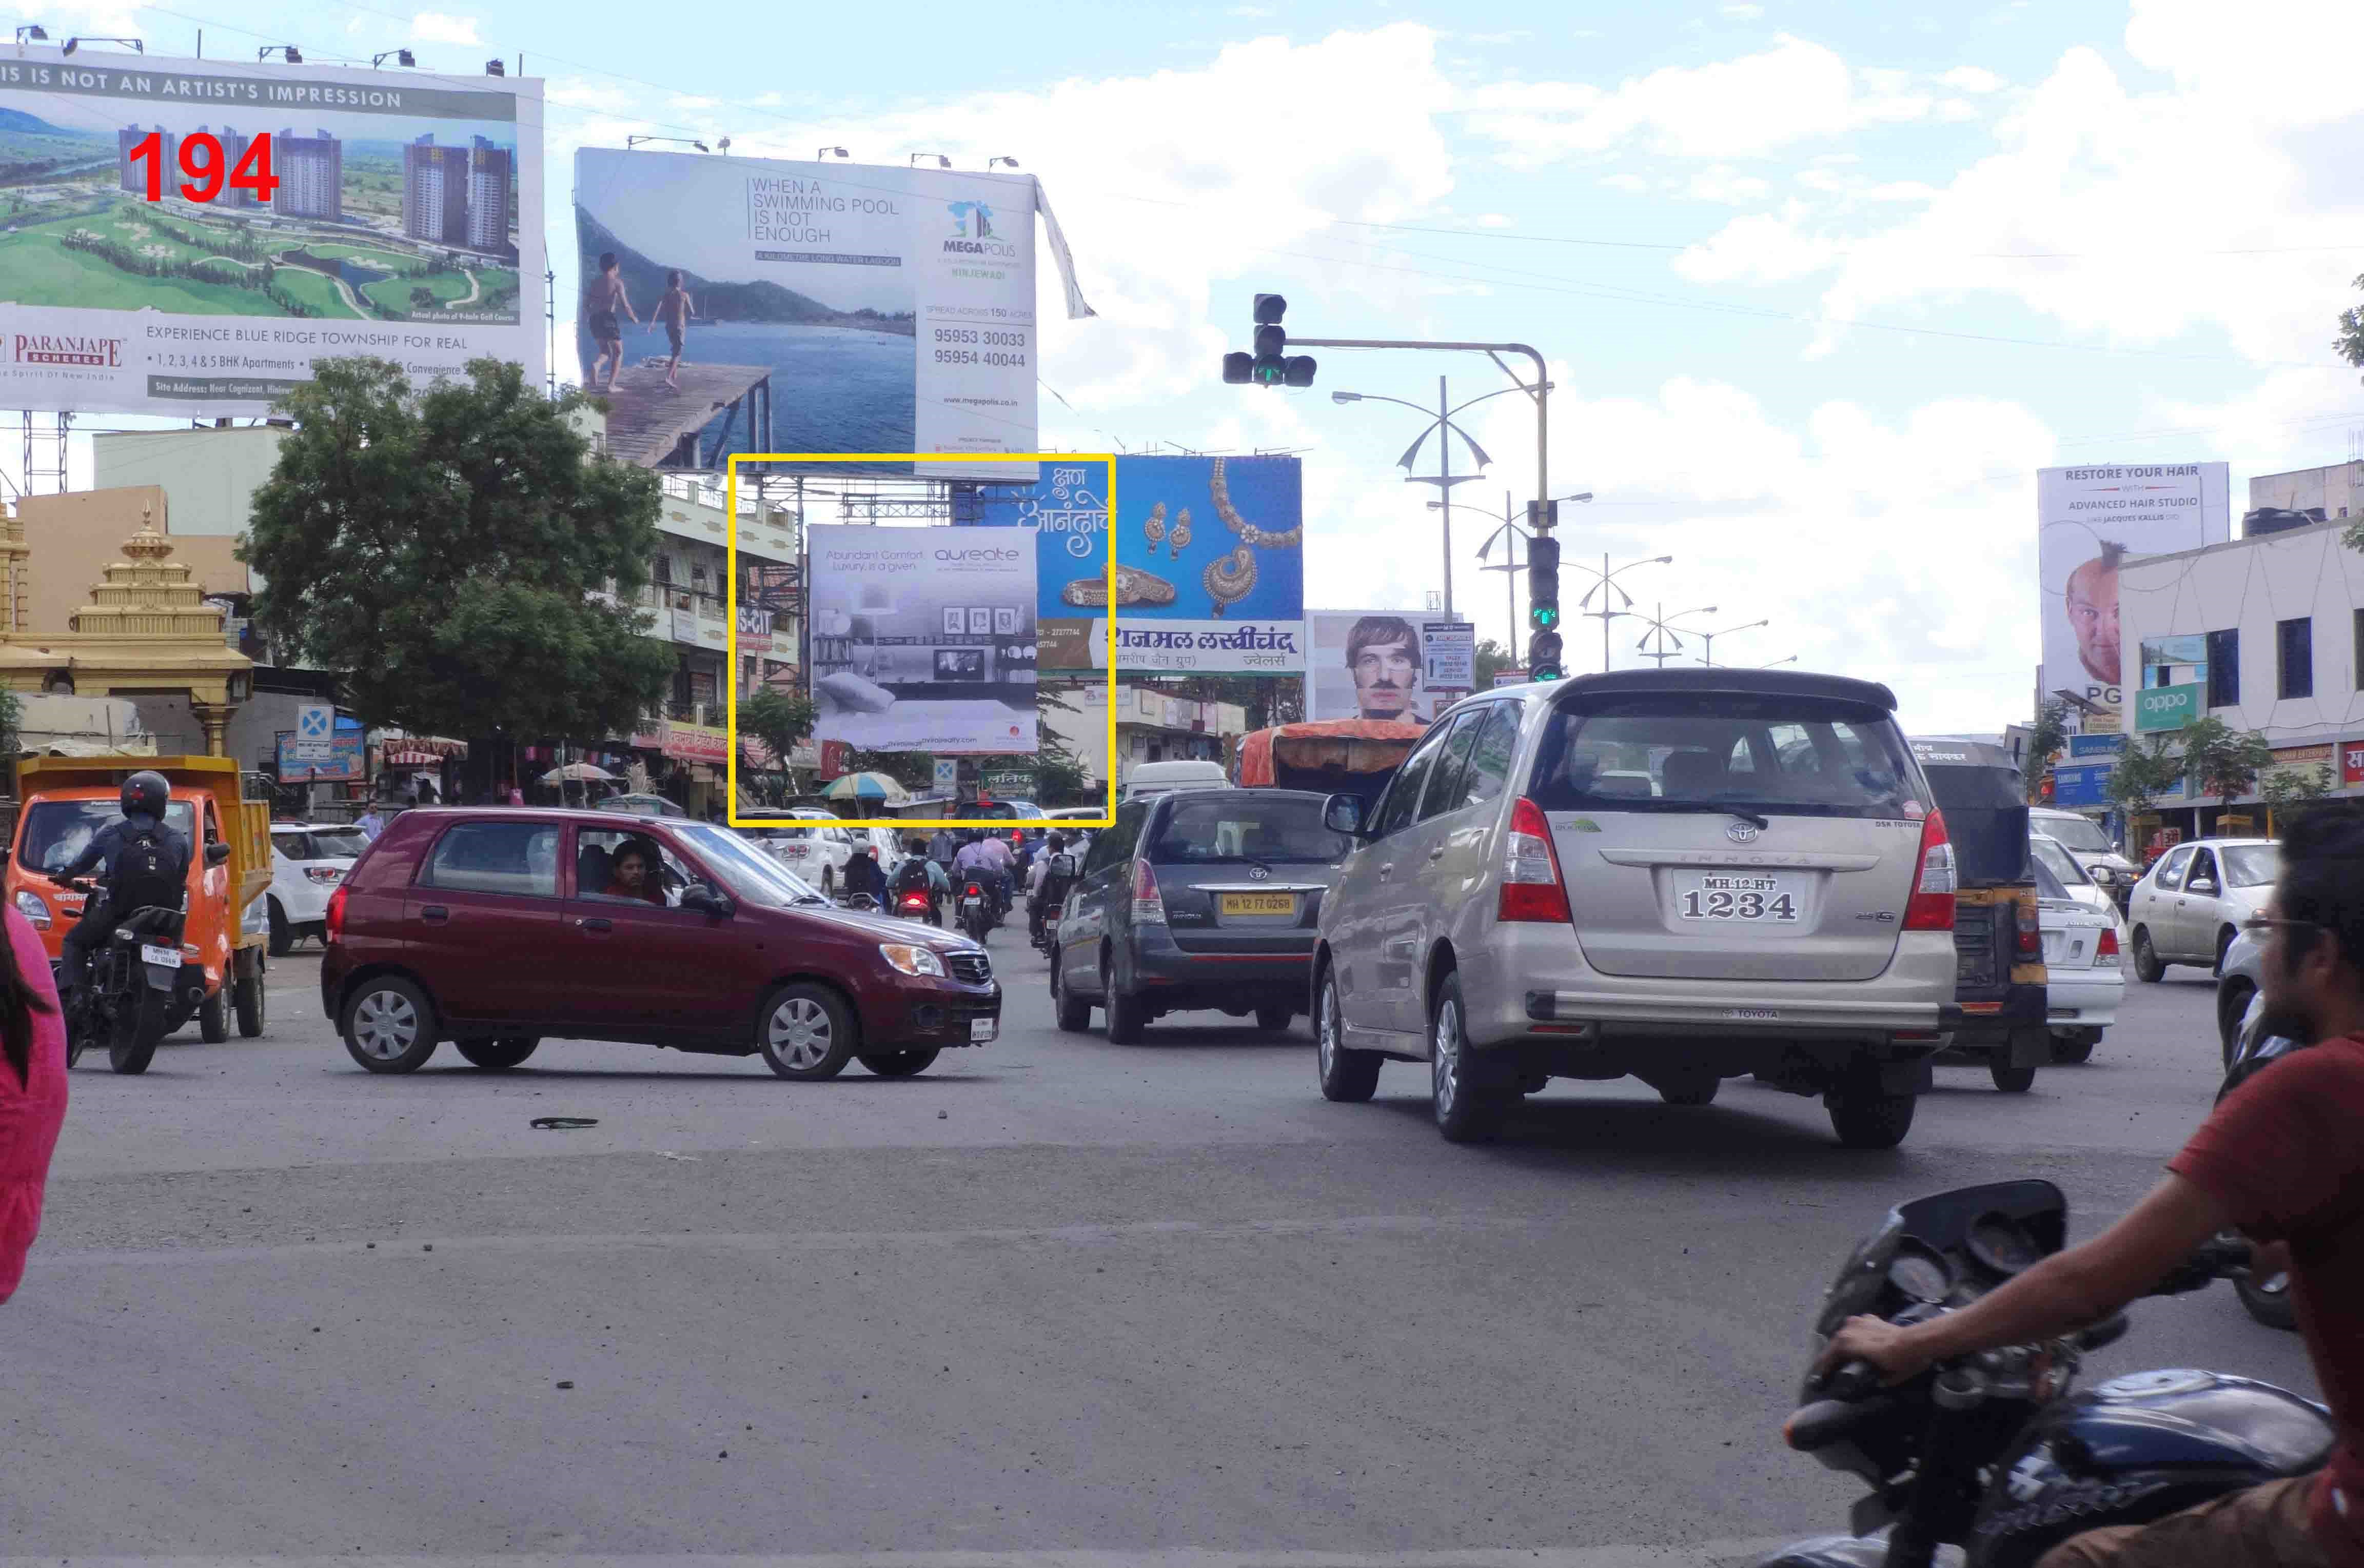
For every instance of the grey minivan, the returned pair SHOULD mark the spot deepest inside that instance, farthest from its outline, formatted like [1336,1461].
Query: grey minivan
[1683,875]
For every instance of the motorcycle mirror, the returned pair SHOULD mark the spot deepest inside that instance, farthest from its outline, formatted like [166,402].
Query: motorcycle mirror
[215,853]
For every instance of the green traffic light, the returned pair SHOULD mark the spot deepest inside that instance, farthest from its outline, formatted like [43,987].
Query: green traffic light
[1546,673]
[1269,370]
[1544,617]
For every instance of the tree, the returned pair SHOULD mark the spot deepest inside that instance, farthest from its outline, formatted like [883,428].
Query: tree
[12,717]
[422,298]
[915,771]
[456,557]
[2146,770]
[2046,740]
[2292,790]
[2223,762]
[779,719]
[1492,659]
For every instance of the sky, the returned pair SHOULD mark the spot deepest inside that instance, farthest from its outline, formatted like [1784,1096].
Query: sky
[1820,285]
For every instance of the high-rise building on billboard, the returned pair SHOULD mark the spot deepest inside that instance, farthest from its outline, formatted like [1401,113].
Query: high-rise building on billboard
[435,192]
[133,177]
[490,168]
[311,171]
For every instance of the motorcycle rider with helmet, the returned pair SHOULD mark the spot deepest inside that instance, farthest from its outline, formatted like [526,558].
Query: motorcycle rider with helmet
[2278,1160]
[145,861]
[1046,889]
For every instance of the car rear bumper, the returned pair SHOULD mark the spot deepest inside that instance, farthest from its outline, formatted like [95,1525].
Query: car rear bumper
[304,905]
[2084,999]
[1280,966]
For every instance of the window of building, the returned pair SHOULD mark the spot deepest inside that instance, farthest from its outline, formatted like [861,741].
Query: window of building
[2224,669]
[663,568]
[2294,656]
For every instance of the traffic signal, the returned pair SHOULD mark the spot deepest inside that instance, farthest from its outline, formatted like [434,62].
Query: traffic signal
[1271,365]
[1543,610]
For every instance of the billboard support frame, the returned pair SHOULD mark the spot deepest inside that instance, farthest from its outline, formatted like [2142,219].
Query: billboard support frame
[731,624]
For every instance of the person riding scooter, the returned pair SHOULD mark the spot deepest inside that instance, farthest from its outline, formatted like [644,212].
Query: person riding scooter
[1046,888]
[922,874]
[987,858]
[145,864]
[863,876]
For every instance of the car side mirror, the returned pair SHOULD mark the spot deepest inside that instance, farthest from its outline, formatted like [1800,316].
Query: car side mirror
[1343,814]
[706,900]
[217,852]
[2201,884]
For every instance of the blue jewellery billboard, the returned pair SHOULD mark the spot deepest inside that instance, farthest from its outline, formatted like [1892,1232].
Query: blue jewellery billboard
[1209,563]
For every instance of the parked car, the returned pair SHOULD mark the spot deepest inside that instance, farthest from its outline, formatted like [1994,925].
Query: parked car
[1779,901]
[497,928]
[309,863]
[2190,904]
[2072,876]
[1161,778]
[2085,839]
[2083,979]
[1196,899]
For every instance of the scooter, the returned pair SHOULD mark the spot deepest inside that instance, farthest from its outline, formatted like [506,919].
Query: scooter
[1991,1452]
[128,1000]
[915,907]
[976,912]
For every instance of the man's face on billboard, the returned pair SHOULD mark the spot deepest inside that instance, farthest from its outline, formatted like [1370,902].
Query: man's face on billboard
[1385,675]
[2093,616]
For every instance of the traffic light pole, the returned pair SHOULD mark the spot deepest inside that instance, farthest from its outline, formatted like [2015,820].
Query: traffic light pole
[1540,391]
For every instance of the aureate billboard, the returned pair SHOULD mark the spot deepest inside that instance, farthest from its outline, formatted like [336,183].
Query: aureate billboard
[922,639]
[1209,563]
[887,311]
[189,236]
[2088,521]
[1386,664]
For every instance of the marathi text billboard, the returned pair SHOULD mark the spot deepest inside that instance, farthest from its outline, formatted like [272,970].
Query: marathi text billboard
[402,212]
[1383,664]
[922,639]
[2088,521]
[1209,563]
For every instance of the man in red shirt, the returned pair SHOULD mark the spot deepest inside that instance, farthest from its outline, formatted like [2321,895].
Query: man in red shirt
[2279,1160]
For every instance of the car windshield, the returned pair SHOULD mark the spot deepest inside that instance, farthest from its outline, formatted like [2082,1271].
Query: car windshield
[322,844]
[750,873]
[1681,751]
[2251,865]
[58,831]
[2059,862]
[2078,833]
[1225,826]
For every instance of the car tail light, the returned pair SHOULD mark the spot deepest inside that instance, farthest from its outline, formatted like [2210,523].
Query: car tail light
[324,874]
[1532,888]
[335,922]
[2106,949]
[1931,907]
[1148,903]
[2031,928]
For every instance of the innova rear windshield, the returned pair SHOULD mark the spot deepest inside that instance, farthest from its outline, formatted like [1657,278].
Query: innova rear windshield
[1677,751]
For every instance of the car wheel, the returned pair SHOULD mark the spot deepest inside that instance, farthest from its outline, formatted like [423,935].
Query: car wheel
[1866,1119]
[829,882]
[2147,967]
[498,1055]
[2012,1079]
[213,1015]
[899,1063]
[1273,1019]
[806,1032]
[389,1025]
[2231,1009]
[1692,1089]
[2071,1052]
[283,935]
[2224,941]
[247,999]
[1347,1076]
[1127,1016]
[1075,1014]
[1465,1112]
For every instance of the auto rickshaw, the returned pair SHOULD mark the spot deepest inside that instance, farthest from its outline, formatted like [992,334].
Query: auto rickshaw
[65,801]
[1338,756]
[1997,943]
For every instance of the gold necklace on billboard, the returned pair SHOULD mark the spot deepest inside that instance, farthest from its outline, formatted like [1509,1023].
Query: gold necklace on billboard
[1229,580]
[1241,525]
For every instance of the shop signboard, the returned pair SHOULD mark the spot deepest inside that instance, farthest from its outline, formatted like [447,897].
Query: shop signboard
[1006,783]
[1449,652]
[2077,785]
[754,629]
[2351,763]
[1509,677]
[2096,745]
[695,743]
[2087,521]
[346,760]
[2166,707]
[2304,765]
[188,237]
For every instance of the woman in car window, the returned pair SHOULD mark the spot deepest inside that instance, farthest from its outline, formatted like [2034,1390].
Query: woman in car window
[633,875]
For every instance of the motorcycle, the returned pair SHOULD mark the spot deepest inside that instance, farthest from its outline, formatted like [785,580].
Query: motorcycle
[977,911]
[1042,909]
[136,993]
[1991,1452]
[915,907]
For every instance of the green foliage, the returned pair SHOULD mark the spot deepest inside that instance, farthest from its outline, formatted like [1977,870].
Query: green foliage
[779,719]
[2295,786]
[1492,659]
[2146,769]
[915,771]
[448,554]
[12,717]
[2223,762]
[2046,740]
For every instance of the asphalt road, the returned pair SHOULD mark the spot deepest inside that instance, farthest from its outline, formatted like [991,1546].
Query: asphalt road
[1057,1302]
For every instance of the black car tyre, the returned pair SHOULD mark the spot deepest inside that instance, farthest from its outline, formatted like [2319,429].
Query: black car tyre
[900,1063]
[2224,941]
[1866,1119]
[1075,1014]
[2071,1052]
[1127,1016]
[806,1032]
[2012,1079]
[389,1025]
[283,935]
[1690,1089]
[2233,1000]
[2148,967]
[213,1015]
[1274,1019]
[137,1030]
[246,999]
[1465,1112]
[501,1054]
[1347,1076]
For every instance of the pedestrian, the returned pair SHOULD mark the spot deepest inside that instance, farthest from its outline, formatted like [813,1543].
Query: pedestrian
[370,824]
[32,1091]
[944,847]
[602,297]
[674,309]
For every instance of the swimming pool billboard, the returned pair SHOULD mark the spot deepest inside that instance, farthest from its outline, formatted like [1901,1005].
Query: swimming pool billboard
[187,237]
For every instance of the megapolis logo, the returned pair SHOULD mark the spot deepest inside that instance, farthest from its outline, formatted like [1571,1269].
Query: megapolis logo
[984,553]
[65,349]
[973,232]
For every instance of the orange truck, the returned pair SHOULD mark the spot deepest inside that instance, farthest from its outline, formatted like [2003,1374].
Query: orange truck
[63,804]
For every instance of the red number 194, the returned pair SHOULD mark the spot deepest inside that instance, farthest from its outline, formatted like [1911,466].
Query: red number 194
[202,161]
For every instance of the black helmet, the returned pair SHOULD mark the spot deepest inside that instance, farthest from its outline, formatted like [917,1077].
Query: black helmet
[146,791]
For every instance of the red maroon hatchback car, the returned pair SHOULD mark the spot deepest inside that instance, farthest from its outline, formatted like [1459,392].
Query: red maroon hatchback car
[494,927]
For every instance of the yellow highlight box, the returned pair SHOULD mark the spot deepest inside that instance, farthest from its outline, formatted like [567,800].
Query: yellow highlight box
[731,613]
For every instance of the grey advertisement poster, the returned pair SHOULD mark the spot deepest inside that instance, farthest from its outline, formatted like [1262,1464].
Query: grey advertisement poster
[1375,664]
[2088,521]
[854,308]
[404,211]
[923,638]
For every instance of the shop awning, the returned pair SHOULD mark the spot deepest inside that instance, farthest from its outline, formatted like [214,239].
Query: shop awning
[434,748]
[409,758]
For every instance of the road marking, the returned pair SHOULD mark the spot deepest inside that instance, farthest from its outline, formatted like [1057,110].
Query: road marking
[1703,1555]
[398,1246]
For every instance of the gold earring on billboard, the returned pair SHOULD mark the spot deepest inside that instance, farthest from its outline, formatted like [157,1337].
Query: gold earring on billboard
[1181,533]
[1156,527]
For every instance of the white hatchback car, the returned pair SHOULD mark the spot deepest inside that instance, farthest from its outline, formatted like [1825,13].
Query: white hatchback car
[308,862]
[2190,905]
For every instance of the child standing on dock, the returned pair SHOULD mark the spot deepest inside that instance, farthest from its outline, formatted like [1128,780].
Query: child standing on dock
[672,308]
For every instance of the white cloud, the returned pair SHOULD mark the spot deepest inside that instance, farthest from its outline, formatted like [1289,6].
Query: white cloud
[1743,12]
[1972,79]
[1623,181]
[571,93]
[434,26]
[1723,183]
[1752,107]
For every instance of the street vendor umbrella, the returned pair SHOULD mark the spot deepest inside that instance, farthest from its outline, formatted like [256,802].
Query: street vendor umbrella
[578,773]
[867,786]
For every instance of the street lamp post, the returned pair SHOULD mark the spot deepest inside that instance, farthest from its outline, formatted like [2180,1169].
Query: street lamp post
[1661,625]
[1445,479]
[1707,638]
[1606,579]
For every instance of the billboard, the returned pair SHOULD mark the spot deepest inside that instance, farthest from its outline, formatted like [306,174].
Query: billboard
[2087,521]
[1375,664]
[922,639]
[407,210]
[1209,563]
[891,309]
